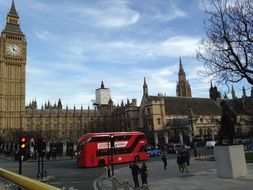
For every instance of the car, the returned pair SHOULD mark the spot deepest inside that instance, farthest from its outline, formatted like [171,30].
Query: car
[210,144]
[171,148]
[181,147]
[247,143]
[152,151]
[174,148]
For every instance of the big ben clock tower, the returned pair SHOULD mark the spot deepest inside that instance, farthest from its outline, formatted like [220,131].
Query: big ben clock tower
[12,74]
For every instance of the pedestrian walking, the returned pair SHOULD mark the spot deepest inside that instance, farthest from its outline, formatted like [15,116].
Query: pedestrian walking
[188,157]
[195,150]
[144,173]
[135,171]
[164,159]
[181,161]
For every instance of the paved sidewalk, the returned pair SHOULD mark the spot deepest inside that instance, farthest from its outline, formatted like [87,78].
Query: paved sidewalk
[202,176]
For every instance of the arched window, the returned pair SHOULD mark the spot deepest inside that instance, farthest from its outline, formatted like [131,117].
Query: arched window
[200,132]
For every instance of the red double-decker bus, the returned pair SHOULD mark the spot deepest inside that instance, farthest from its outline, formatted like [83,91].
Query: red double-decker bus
[94,149]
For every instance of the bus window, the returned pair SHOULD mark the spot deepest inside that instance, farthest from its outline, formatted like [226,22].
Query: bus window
[142,137]
[80,147]
[102,153]
[124,137]
[99,139]
[143,148]
[87,140]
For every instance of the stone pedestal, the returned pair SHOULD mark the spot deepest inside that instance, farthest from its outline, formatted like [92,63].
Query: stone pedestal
[230,161]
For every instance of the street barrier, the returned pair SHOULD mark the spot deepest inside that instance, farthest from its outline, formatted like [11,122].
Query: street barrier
[200,157]
[25,182]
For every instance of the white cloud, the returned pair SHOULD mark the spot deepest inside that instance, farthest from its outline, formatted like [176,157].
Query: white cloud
[108,14]
[45,35]
[172,47]
[179,45]
[38,72]
[172,13]
[36,5]
[122,51]
[116,16]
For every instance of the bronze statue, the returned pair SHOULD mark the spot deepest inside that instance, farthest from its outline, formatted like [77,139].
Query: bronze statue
[228,120]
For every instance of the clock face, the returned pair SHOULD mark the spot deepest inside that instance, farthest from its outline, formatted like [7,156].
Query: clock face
[13,49]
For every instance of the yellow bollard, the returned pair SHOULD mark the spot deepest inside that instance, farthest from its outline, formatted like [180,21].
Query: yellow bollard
[106,172]
[114,183]
[144,187]
[126,185]
[25,182]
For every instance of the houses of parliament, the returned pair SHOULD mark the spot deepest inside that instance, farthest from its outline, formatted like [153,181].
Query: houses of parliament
[162,118]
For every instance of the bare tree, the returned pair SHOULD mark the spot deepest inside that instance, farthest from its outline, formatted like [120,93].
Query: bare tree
[227,50]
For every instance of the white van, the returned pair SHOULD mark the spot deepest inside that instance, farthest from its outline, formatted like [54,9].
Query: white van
[210,144]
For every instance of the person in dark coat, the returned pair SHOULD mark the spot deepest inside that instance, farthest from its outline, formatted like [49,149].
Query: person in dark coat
[164,159]
[181,160]
[144,173]
[188,157]
[135,171]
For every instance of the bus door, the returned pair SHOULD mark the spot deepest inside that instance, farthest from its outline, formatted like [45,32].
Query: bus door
[92,159]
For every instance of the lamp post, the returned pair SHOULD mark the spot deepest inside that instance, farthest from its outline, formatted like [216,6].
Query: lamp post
[112,147]
[191,123]
[192,130]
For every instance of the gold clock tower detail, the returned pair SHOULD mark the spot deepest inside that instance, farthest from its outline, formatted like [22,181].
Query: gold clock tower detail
[12,74]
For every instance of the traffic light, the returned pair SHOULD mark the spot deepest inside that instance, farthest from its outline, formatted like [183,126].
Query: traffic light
[41,146]
[23,145]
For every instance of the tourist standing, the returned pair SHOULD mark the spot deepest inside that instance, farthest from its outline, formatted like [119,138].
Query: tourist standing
[144,173]
[135,171]
[181,161]
[164,159]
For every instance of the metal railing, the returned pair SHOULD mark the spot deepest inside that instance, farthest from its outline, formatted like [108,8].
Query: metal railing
[25,182]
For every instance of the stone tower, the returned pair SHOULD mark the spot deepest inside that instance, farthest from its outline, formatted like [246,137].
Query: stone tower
[145,88]
[233,93]
[214,93]
[12,74]
[183,86]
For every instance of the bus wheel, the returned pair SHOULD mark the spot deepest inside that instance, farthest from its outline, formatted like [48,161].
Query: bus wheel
[136,158]
[101,163]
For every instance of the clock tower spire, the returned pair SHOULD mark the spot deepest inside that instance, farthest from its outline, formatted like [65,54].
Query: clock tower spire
[12,73]
[12,21]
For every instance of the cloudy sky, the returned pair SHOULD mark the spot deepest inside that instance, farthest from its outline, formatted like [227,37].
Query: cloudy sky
[73,45]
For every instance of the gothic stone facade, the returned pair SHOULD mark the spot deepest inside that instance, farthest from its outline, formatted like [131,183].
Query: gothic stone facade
[154,116]
[163,118]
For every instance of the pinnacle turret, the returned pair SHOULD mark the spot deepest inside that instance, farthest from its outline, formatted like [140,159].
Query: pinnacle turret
[12,21]
[13,11]
[145,87]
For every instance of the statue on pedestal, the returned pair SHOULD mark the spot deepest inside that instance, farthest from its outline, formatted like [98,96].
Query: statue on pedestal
[228,120]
